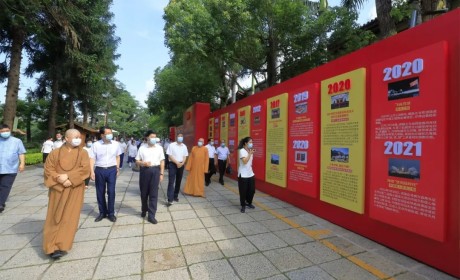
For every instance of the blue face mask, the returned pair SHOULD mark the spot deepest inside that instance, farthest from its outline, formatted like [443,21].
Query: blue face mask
[222,145]
[180,139]
[200,143]
[153,141]
[250,145]
[89,145]
[5,134]
[109,137]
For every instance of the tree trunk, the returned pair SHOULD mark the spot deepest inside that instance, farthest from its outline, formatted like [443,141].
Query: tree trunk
[71,109]
[428,6]
[85,112]
[53,107]
[272,56]
[386,24]
[12,88]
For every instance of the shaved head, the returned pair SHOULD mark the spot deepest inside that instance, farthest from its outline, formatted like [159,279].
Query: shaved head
[71,133]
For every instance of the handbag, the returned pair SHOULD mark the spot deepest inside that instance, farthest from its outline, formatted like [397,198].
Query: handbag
[229,169]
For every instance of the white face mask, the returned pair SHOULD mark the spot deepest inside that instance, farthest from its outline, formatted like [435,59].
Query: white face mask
[109,137]
[76,142]
[200,143]
[153,141]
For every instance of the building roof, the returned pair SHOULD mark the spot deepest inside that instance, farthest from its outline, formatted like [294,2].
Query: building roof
[79,125]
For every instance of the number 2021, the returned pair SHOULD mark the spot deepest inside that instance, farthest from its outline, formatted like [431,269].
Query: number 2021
[400,148]
[404,70]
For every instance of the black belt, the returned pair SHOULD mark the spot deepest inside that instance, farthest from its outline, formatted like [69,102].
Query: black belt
[153,166]
[110,167]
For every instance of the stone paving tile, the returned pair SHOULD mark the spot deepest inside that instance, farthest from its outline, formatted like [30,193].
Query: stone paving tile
[239,218]
[125,211]
[222,203]
[188,224]
[317,252]
[293,236]
[31,272]
[384,265]
[311,273]
[25,227]
[224,232]
[266,241]
[176,274]
[276,277]
[347,247]
[218,269]
[253,266]
[202,205]
[90,223]
[194,236]
[86,234]
[163,259]
[362,241]
[5,226]
[84,250]
[27,257]
[236,247]
[24,210]
[261,215]
[5,255]
[227,210]
[12,219]
[432,273]
[286,259]
[207,212]
[326,235]
[410,276]
[180,207]
[159,241]
[301,220]
[215,221]
[117,266]
[182,215]
[163,217]
[126,231]
[131,277]
[37,241]
[343,269]
[161,227]
[128,220]
[251,228]
[78,269]
[123,246]
[15,241]
[397,257]
[275,225]
[201,252]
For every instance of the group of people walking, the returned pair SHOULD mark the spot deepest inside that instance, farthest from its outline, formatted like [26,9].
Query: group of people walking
[68,168]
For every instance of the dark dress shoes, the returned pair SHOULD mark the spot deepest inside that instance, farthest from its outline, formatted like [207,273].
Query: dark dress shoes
[152,220]
[243,209]
[112,218]
[250,206]
[143,214]
[2,209]
[99,218]
[57,254]
[176,199]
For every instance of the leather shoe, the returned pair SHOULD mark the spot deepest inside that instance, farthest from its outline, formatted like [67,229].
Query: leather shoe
[243,209]
[143,214]
[176,199]
[112,218]
[2,209]
[99,218]
[250,206]
[56,255]
[152,220]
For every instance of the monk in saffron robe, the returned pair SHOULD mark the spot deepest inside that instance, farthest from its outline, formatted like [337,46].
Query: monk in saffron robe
[197,165]
[66,169]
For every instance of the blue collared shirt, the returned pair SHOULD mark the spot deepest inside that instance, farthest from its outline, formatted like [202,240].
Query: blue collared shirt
[105,155]
[10,149]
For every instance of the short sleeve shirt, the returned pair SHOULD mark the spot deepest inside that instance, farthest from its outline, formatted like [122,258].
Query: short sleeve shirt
[153,154]
[245,170]
[105,155]
[178,152]
[222,153]
[10,149]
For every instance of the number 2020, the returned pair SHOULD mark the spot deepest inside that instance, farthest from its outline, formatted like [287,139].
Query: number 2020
[400,148]
[404,70]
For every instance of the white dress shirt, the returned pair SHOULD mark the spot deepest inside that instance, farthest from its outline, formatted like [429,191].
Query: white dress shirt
[153,154]
[176,151]
[222,153]
[245,170]
[211,151]
[105,155]
[47,147]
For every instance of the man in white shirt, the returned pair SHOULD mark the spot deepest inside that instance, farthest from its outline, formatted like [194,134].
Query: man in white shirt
[58,143]
[124,148]
[223,160]
[104,161]
[212,162]
[47,147]
[150,158]
[177,153]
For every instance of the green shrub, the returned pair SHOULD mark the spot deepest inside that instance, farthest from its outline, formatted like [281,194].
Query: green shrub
[33,150]
[34,158]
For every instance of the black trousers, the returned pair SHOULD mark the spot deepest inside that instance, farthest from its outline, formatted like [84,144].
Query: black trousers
[222,165]
[175,178]
[211,171]
[149,178]
[45,155]
[247,188]
[6,182]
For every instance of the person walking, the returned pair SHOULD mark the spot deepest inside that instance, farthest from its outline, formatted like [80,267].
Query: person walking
[87,148]
[104,160]
[66,169]
[58,143]
[246,179]
[212,161]
[12,160]
[150,158]
[177,153]
[165,147]
[124,148]
[47,147]
[197,165]
[132,151]
[223,159]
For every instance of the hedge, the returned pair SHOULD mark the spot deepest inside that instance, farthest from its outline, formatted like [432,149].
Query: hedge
[34,158]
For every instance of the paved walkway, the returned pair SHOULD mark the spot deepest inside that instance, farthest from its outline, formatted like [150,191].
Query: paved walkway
[197,238]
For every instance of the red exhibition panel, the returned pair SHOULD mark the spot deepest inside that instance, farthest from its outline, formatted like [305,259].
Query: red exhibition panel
[258,127]
[303,146]
[233,139]
[408,141]
[216,131]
